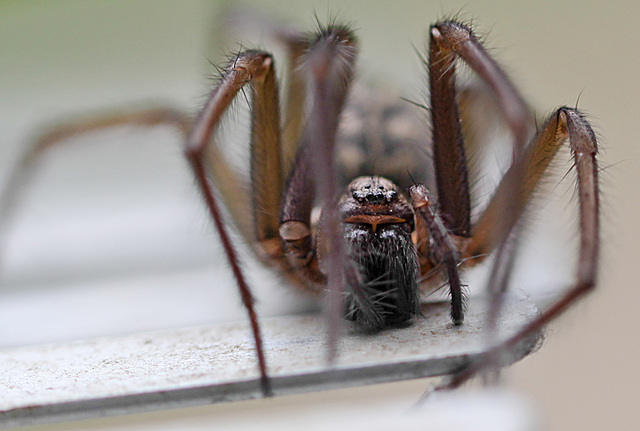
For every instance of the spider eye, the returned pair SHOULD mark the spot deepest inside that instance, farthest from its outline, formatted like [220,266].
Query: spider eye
[376,197]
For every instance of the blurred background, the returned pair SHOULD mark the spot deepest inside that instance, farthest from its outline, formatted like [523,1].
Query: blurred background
[111,237]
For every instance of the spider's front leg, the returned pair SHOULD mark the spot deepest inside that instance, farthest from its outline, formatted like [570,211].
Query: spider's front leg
[257,68]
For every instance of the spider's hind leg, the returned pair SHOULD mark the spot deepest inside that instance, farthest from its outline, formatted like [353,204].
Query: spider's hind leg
[62,133]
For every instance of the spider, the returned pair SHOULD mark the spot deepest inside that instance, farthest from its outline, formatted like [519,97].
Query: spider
[371,244]
[375,244]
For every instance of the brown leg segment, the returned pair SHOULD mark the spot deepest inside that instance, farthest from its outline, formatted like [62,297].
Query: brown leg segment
[448,146]
[255,67]
[266,159]
[566,122]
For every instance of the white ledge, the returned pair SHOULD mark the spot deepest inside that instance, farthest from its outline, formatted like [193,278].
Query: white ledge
[195,366]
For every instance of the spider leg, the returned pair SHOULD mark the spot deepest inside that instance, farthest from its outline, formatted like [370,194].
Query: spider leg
[266,160]
[448,144]
[499,220]
[443,247]
[328,65]
[60,133]
[564,123]
[455,38]
[448,41]
[257,68]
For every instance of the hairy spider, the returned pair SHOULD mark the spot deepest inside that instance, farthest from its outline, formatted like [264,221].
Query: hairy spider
[379,241]
[371,245]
